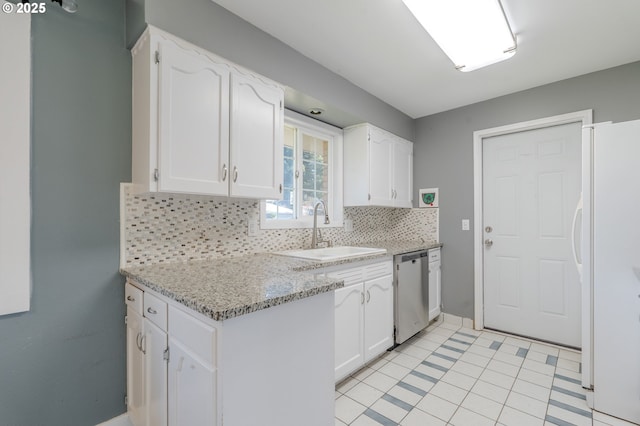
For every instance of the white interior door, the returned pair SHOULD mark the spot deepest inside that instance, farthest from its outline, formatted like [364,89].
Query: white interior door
[531,186]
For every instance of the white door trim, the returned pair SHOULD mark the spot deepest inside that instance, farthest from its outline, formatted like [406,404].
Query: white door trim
[585,116]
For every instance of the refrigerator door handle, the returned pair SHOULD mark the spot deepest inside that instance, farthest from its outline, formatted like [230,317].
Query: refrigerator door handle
[574,249]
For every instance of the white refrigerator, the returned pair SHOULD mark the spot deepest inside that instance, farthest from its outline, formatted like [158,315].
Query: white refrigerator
[610,268]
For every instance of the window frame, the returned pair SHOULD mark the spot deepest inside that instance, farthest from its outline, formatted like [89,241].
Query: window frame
[334,135]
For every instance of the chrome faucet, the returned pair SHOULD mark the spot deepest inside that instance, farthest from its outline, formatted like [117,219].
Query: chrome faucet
[316,238]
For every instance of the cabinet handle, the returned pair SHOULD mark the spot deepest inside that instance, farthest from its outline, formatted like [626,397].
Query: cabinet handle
[152,311]
[131,299]
[138,344]
[281,188]
[362,296]
[143,342]
[368,296]
[235,174]
[224,172]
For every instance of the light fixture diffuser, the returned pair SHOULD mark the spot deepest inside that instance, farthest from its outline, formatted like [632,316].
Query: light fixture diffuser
[472,33]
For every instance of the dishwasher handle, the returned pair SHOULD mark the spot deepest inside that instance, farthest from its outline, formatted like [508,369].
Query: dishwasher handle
[414,256]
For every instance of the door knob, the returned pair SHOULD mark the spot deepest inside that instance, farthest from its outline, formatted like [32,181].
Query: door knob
[488,242]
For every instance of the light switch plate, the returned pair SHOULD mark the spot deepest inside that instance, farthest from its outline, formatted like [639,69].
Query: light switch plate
[348,225]
[465,224]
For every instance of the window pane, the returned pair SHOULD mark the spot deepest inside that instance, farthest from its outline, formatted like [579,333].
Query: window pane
[285,208]
[310,198]
[315,163]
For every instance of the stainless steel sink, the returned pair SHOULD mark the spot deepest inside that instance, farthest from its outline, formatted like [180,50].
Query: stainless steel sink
[328,254]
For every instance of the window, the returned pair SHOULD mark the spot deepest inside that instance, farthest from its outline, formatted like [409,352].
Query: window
[312,173]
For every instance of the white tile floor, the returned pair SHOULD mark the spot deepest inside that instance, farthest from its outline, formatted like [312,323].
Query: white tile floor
[451,375]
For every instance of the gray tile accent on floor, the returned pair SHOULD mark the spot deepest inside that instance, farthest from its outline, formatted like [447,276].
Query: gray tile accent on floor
[570,393]
[412,388]
[460,341]
[436,366]
[466,334]
[522,352]
[448,358]
[374,415]
[552,360]
[495,345]
[451,348]
[570,408]
[557,421]
[397,402]
[568,379]
[424,376]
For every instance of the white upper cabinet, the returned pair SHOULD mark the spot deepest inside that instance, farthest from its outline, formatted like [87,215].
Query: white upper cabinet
[378,168]
[403,173]
[193,137]
[201,124]
[256,138]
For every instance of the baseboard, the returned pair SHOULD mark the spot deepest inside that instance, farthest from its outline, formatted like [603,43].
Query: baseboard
[122,420]
[456,320]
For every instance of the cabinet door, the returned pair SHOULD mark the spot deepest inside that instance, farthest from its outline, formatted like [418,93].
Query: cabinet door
[136,404]
[193,122]
[349,330]
[191,388]
[435,289]
[380,163]
[378,314]
[403,174]
[257,123]
[154,346]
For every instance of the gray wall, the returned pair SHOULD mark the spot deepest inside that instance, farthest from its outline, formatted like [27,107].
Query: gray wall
[214,28]
[63,362]
[444,155]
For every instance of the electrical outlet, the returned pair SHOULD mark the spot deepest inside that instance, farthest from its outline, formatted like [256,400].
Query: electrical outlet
[465,224]
[252,227]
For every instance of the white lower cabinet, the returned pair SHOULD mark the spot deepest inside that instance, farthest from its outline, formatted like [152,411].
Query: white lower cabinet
[435,284]
[136,405]
[276,364]
[146,359]
[154,347]
[349,330]
[363,316]
[192,371]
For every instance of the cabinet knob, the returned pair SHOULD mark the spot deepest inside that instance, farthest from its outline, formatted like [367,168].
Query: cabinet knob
[152,311]
[131,299]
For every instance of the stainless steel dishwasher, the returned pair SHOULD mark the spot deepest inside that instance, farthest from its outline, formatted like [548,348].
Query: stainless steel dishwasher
[411,293]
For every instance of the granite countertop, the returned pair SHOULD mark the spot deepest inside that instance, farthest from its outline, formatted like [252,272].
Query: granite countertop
[229,287]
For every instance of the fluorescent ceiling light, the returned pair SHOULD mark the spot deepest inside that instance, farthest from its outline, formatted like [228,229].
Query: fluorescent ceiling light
[473,33]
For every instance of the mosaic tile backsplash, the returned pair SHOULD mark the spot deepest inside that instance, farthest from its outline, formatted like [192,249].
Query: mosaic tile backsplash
[162,228]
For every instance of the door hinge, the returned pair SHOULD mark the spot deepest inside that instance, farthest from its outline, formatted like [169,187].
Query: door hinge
[156,175]
[157,57]
[126,401]
[126,318]
[280,104]
[165,354]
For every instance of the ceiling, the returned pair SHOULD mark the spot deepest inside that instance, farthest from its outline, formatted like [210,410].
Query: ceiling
[379,46]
